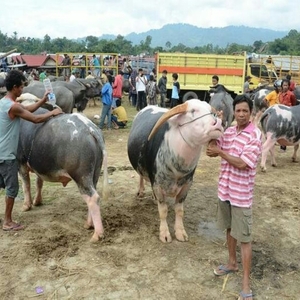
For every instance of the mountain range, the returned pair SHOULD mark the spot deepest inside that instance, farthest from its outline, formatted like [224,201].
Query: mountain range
[192,36]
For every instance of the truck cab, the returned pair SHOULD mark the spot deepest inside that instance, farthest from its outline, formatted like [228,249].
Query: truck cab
[261,74]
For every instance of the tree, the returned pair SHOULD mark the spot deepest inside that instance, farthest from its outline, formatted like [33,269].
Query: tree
[257,45]
[46,44]
[91,43]
[168,45]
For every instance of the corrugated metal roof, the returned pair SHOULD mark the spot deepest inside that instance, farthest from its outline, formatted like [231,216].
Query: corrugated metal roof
[287,63]
[283,62]
[34,61]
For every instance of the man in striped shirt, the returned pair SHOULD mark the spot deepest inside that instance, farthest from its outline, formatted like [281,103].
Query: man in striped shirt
[240,149]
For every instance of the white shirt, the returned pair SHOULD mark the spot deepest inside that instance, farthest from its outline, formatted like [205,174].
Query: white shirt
[72,77]
[141,83]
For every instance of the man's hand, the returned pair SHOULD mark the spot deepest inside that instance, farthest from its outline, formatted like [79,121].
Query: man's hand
[57,111]
[45,97]
[212,149]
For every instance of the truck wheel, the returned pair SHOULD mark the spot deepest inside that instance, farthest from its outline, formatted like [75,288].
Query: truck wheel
[189,96]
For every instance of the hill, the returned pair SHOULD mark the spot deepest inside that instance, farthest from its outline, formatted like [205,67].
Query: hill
[192,36]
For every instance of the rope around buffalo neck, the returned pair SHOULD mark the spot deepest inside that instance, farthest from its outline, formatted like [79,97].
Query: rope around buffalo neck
[196,119]
[184,138]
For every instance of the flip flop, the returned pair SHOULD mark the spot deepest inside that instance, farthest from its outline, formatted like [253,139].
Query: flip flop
[15,227]
[245,296]
[224,271]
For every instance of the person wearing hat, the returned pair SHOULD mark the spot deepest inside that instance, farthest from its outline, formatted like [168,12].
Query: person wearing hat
[247,85]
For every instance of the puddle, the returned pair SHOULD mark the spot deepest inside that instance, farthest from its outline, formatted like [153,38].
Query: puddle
[210,231]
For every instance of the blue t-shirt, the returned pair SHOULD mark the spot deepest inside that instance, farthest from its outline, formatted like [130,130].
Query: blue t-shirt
[175,90]
[107,92]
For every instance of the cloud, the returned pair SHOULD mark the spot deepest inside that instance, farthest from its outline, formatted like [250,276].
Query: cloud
[77,18]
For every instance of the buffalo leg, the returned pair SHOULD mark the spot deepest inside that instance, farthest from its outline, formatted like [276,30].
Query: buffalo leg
[25,177]
[94,216]
[159,196]
[38,197]
[257,118]
[294,157]
[141,190]
[267,146]
[164,233]
[272,152]
[180,232]
[89,222]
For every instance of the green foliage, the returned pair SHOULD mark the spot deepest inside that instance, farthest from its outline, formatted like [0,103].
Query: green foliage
[289,45]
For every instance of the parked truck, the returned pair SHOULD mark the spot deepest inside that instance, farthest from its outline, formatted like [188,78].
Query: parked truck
[195,72]
[282,65]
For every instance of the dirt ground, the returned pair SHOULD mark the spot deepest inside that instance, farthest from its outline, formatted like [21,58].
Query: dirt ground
[53,258]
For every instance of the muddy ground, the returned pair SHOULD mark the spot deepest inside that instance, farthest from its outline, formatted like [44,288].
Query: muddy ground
[53,258]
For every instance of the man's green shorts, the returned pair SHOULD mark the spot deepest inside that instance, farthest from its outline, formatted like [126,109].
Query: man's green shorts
[239,219]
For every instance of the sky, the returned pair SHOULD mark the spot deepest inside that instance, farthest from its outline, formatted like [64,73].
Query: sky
[80,18]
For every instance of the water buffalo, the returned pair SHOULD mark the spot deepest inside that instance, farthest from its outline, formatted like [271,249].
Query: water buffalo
[259,104]
[64,97]
[78,94]
[297,94]
[222,101]
[164,148]
[82,89]
[65,147]
[280,124]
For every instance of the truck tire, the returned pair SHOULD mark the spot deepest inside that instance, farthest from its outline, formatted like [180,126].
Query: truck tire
[188,96]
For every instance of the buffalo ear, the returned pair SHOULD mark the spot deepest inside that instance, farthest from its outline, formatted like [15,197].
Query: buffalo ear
[179,109]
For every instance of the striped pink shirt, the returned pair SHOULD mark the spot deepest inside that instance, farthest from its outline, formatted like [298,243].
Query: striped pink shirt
[235,185]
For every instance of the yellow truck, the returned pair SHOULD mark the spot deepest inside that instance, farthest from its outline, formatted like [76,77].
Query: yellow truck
[282,65]
[195,72]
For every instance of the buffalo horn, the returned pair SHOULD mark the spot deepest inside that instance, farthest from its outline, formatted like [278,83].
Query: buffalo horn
[179,109]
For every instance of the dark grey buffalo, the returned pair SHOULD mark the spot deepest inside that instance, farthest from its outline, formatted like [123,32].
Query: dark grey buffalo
[2,82]
[222,101]
[64,97]
[280,124]
[297,94]
[69,94]
[126,85]
[66,147]
[82,89]
[164,147]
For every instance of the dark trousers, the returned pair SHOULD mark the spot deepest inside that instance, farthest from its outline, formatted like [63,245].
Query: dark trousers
[133,99]
[141,100]
[174,102]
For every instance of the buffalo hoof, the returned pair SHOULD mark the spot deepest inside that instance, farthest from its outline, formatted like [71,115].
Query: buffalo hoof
[26,207]
[263,169]
[37,203]
[181,235]
[88,226]
[96,238]
[140,194]
[295,160]
[274,165]
[165,237]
